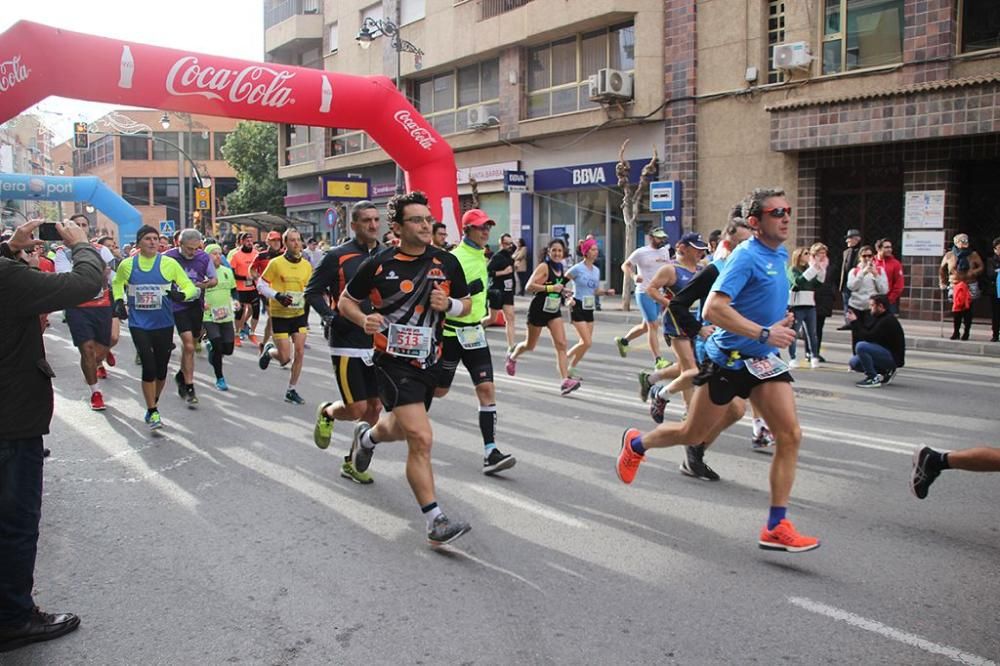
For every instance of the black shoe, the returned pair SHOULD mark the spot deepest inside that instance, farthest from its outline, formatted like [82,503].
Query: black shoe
[925,469]
[888,375]
[445,531]
[994,339]
[361,457]
[965,336]
[189,395]
[954,336]
[694,464]
[498,462]
[181,386]
[845,327]
[40,627]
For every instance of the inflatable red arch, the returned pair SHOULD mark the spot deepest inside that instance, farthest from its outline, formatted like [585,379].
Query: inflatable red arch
[38,60]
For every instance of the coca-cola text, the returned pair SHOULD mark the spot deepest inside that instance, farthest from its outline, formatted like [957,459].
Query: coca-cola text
[12,72]
[421,135]
[256,84]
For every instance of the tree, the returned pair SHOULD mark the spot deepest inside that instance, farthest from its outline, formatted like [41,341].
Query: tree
[252,150]
[631,200]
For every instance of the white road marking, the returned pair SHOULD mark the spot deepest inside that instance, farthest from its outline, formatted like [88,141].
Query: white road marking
[566,571]
[526,505]
[484,563]
[889,632]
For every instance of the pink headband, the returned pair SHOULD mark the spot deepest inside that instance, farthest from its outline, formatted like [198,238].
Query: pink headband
[586,245]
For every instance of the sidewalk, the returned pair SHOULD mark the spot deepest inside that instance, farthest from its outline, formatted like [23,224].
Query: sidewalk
[920,335]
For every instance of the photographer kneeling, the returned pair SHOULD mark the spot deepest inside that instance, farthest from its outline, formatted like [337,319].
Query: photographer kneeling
[881,347]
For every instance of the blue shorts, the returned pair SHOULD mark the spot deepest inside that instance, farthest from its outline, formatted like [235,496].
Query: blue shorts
[90,323]
[699,349]
[650,308]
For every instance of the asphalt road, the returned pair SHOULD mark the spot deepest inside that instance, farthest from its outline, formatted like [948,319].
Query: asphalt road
[231,538]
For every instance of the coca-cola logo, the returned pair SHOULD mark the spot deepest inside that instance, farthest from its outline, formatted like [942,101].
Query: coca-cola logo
[421,135]
[12,72]
[255,84]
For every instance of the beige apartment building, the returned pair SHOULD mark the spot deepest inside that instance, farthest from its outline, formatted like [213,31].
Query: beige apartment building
[880,115]
[507,83]
[152,174]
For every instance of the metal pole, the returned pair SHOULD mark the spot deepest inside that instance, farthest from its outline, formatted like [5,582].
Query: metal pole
[181,191]
[400,184]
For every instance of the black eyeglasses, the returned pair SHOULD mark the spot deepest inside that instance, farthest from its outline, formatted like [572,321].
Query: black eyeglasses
[417,219]
[777,213]
[866,256]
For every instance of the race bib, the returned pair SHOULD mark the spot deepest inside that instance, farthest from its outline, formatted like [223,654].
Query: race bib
[248,282]
[148,296]
[587,303]
[508,285]
[766,367]
[471,337]
[221,313]
[551,303]
[298,299]
[410,341]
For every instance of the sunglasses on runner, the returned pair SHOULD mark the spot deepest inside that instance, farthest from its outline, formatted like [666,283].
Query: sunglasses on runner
[777,213]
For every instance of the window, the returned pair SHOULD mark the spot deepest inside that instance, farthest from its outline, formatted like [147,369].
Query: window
[333,40]
[343,142]
[411,10]
[136,191]
[135,147]
[373,12]
[166,192]
[165,151]
[300,143]
[99,152]
[558,72]
[445,100]
[775,35]
[980,24]
[861,33]
[199,148]
[220,141]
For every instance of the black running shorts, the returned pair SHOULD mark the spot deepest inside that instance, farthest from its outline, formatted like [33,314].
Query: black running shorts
[401,383]
[91,323]
[724,384]
[285,327]
[355,379]
[478,362]
[189,320]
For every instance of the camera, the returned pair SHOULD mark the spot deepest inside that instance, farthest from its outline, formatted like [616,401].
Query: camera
[48,232]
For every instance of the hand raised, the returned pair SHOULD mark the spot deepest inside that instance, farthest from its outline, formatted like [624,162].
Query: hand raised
[373,323]
[439,299]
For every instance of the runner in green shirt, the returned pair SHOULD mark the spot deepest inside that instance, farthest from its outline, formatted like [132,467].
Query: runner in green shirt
[219,315]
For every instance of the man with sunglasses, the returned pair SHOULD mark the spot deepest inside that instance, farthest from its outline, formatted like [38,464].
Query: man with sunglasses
[412,288]
[748,304]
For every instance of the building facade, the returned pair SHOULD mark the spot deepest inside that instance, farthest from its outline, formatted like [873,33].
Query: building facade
[507,83]
[896,102]
[26,147]
[151,173]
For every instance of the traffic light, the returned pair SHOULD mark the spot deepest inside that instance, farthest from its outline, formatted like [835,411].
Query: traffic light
[81,137]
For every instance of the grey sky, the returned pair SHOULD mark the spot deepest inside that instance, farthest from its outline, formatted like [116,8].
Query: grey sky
[233,28]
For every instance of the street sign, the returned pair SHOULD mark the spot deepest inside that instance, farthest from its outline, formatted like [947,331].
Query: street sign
[346,188]
[515,181]
[664,196]
[202,198]
[166,227]
[331,217]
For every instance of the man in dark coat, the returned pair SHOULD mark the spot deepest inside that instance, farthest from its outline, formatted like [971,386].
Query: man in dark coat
[26,402]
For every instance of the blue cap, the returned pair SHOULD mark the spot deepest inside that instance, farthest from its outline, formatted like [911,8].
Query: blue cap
[693,239]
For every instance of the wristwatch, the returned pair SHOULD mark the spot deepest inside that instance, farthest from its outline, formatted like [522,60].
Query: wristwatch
[765,333]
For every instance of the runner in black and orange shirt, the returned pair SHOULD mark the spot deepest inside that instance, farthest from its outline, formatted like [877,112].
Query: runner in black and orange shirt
[350,347]
[275,248]
[242,260]
[411,288]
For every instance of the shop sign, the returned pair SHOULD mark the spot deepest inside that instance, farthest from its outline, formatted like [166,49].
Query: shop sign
[585,176]
[485,172]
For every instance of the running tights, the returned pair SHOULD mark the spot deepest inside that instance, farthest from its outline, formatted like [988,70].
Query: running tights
[154,349]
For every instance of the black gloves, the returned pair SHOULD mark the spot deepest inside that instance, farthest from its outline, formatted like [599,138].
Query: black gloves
[119,310]
[176,296]
[283,298]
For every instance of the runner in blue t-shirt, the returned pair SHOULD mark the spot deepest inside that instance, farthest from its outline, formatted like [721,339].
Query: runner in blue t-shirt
[748,304]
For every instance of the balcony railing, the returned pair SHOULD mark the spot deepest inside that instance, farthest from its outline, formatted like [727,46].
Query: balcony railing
[490,8]
[276,12]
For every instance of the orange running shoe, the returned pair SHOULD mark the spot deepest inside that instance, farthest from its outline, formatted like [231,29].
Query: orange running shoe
[253,338]
[628,460]
[239,343]
[785,537]
[102,373]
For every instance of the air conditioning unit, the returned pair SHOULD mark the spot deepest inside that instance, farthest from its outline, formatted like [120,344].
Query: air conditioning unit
[477,117]
[610,84]
[793,55]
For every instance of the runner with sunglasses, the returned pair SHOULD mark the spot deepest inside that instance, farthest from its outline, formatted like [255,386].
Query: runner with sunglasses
[748,303]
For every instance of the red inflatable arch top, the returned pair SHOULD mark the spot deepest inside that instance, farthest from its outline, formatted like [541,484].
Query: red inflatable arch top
[38,60]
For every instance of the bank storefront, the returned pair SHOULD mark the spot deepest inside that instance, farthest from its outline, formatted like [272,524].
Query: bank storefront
[580,199]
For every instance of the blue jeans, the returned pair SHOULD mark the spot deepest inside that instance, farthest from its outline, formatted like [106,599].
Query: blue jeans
[872,359]
[20,512]
[805,316]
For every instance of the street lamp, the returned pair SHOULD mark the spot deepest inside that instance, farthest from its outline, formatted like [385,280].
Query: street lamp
[62,169]
[165,121]
[372,28]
